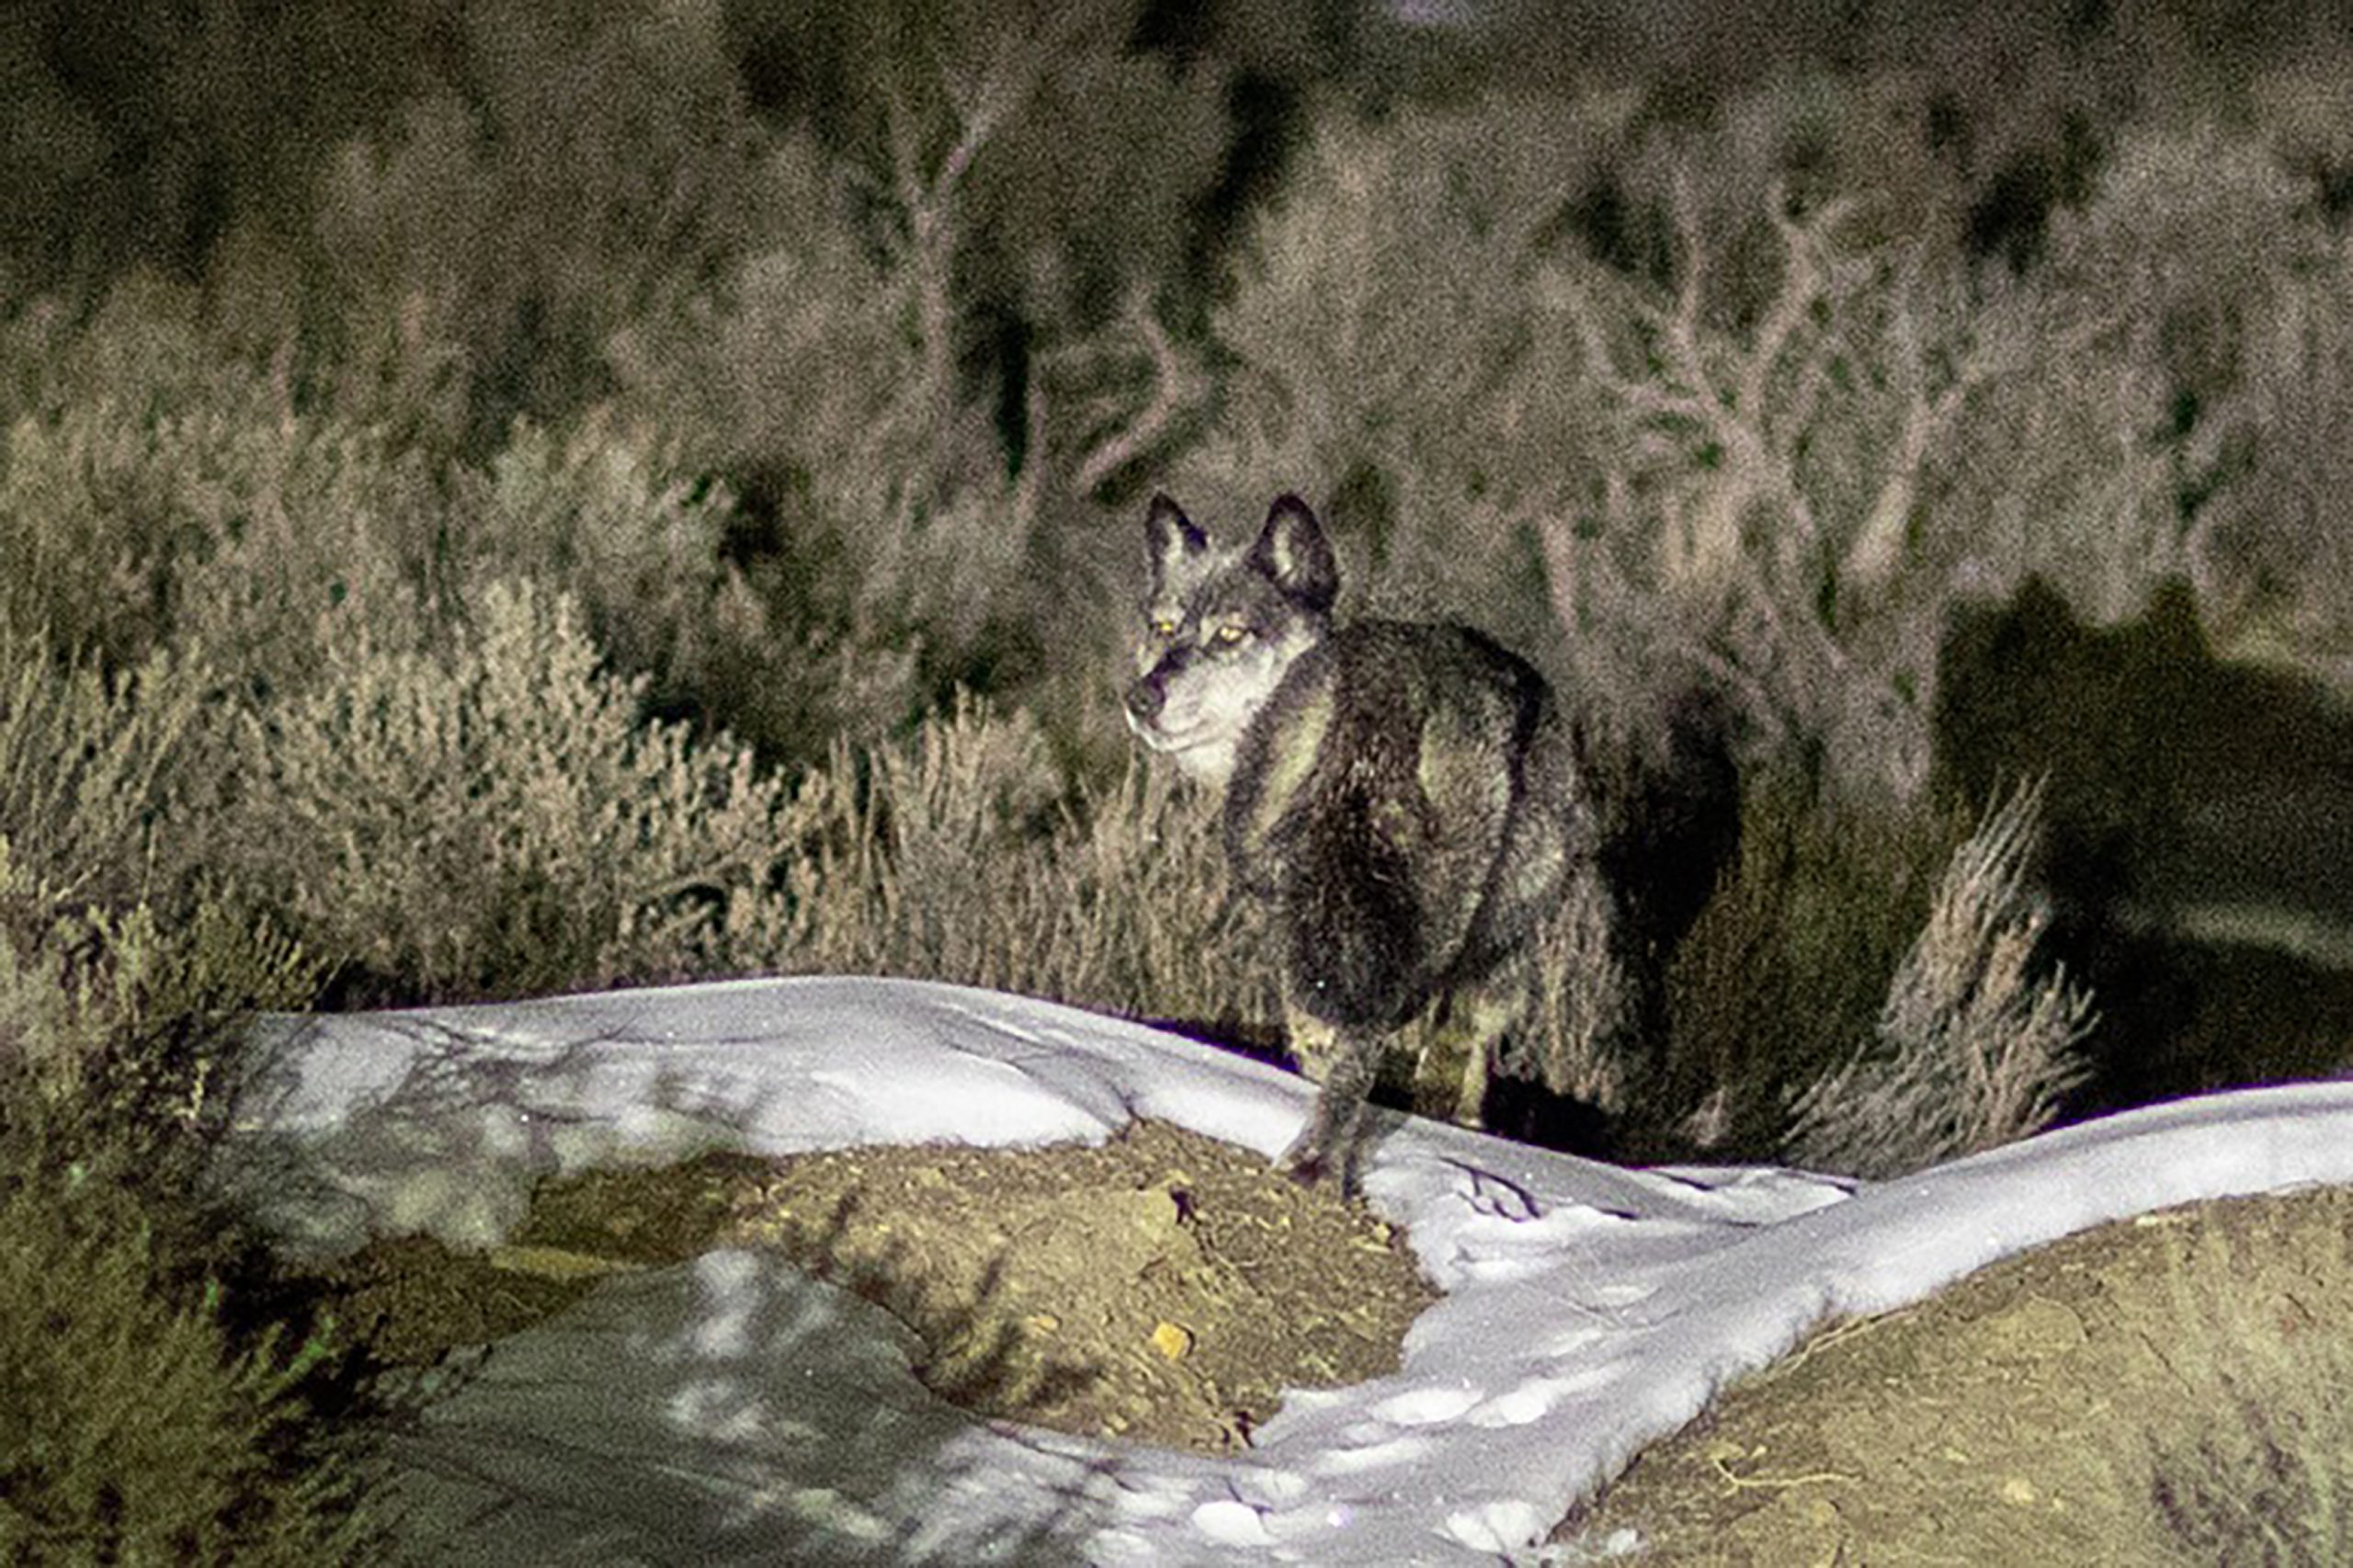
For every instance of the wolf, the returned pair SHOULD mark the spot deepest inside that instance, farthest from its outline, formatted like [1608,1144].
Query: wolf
[1405,799]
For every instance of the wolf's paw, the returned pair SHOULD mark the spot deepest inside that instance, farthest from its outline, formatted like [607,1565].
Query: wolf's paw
[1305,1166]
[1308,1162]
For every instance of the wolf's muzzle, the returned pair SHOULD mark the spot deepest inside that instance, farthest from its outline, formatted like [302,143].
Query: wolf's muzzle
[1148,693]
[1146,698]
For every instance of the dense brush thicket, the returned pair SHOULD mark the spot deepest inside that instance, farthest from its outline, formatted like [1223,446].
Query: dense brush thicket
[528,497]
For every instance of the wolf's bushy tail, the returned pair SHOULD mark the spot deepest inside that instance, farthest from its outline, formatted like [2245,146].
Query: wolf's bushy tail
[1359,954]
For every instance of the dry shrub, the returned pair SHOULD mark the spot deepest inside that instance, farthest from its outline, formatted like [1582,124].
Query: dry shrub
[89,765]
[1789,962]
[146,503]
[123,960]
[498,820]
[1762,508]
[501,819]
[1379,325]
[604,514]
[134,1427]
[2120,454]
[1973,1049]
[131,1428]
[955,856]
[480,249]
[2279,529]
[118,1032]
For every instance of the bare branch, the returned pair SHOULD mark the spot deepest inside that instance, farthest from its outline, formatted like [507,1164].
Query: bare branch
[1176,386]
[982,108]
[907,182]
[930,200]
[1646,397]
[1928,419]
[1805,280]
[1682,328]
[1030,482]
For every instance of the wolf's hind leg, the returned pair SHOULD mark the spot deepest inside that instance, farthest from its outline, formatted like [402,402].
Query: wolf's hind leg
[1442,1063]
[1333,1136]
[1452,1078]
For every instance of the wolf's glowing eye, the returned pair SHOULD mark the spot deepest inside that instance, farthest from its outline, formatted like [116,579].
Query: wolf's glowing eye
[1228,636]
[1163,627]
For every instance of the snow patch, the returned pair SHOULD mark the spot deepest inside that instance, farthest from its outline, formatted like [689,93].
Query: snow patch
[733,1410]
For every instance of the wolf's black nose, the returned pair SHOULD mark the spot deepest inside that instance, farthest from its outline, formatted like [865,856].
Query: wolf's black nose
[1146,698]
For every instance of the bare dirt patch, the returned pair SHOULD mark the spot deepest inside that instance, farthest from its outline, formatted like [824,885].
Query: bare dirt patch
[2175,1388]
[1164,1287]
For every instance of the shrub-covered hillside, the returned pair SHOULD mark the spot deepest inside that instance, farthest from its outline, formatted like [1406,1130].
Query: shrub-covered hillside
[505,497]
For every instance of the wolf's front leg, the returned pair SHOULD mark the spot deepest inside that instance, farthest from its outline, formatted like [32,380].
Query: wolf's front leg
[1347,1061]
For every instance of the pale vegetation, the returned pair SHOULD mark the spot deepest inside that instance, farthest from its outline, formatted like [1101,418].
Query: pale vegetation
[1973,1047]
[2266,1479]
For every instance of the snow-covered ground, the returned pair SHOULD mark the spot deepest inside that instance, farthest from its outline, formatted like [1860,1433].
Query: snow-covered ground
[732,1411]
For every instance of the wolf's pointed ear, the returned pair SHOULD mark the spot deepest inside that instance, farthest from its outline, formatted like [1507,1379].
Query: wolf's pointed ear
[1295,556]
[1170,537]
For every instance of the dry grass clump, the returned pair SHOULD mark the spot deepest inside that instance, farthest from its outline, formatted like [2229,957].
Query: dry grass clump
[1972,1048]
[137,1424]
[133,1427]
[1806,930]
[499,819]
[2266,1476]
[956,855]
